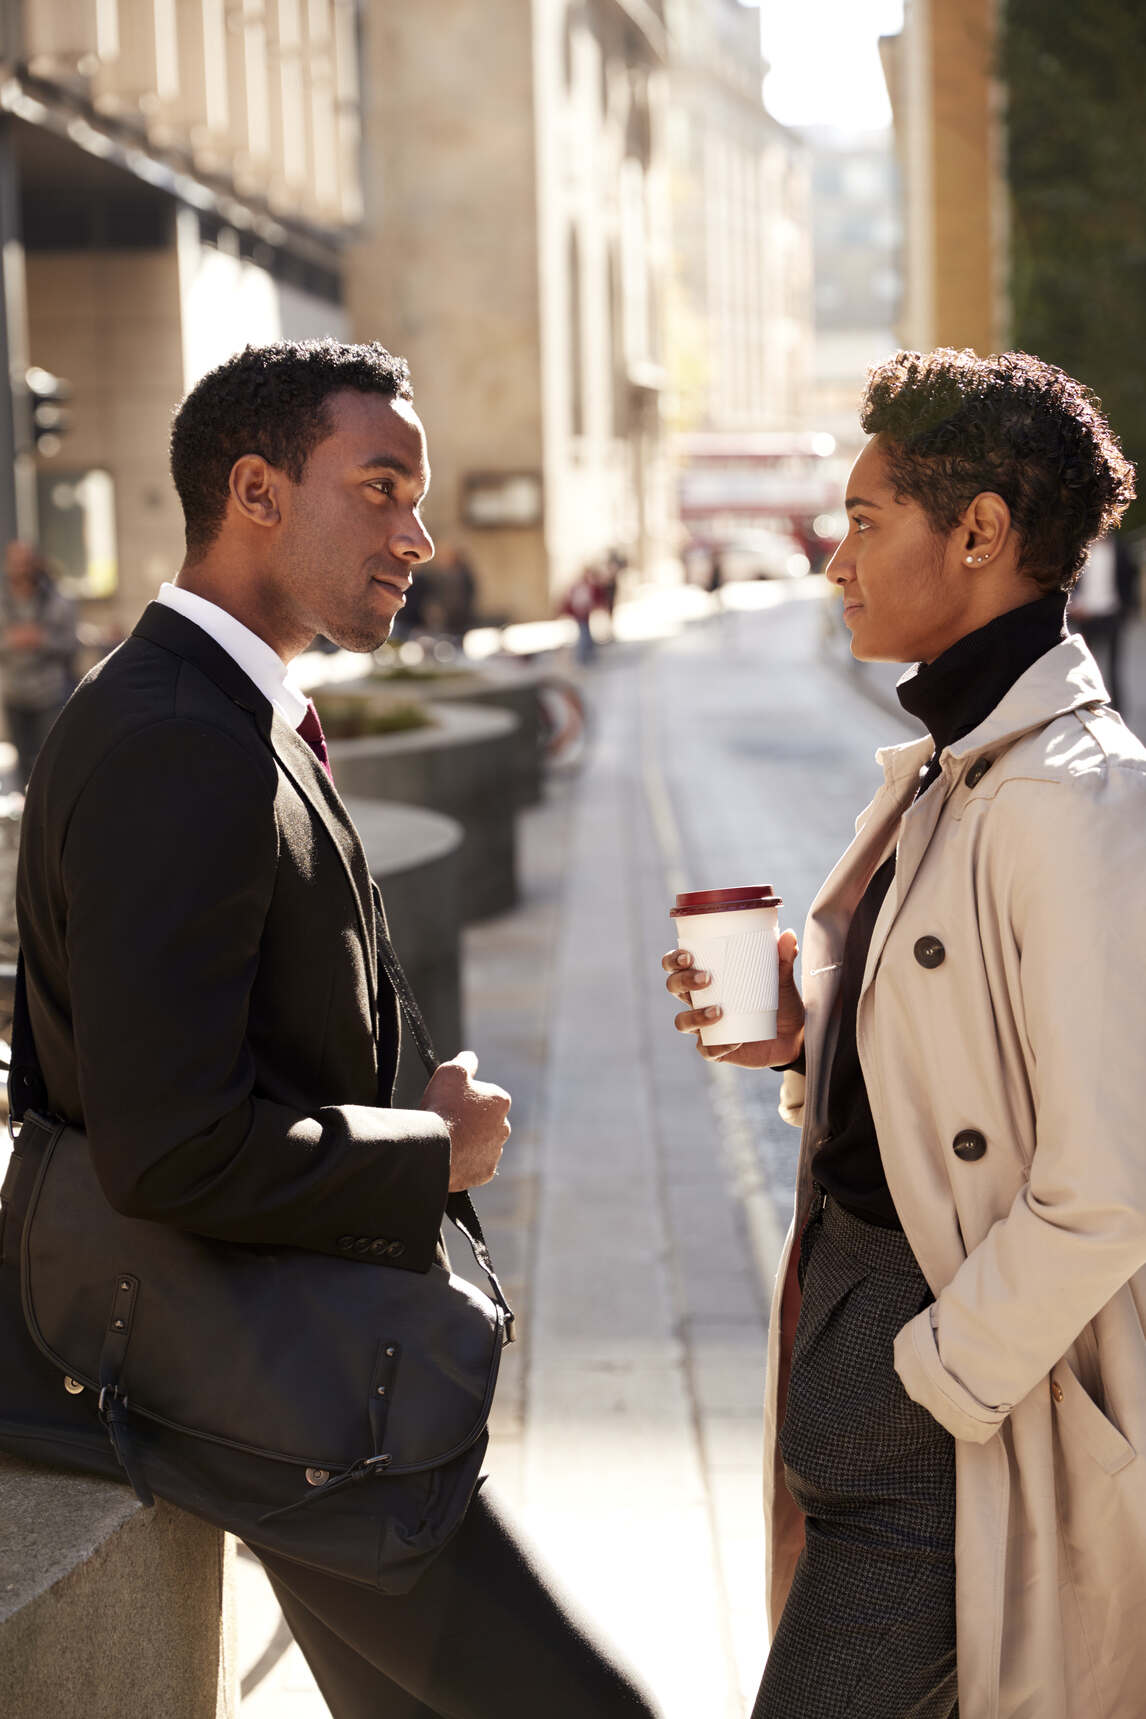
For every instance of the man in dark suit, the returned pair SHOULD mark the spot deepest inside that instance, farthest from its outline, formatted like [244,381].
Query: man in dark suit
[198,930]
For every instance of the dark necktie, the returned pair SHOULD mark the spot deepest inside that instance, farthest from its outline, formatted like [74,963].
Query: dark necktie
[310,730]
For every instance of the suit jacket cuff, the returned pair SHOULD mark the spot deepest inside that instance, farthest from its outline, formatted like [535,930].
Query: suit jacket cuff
[418,1229]
[928,1383]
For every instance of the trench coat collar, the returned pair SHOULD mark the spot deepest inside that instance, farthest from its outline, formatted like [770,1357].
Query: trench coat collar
[173,632]
[1063,679]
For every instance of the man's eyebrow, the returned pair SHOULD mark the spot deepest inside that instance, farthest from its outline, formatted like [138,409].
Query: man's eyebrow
[858,501]
[387,463]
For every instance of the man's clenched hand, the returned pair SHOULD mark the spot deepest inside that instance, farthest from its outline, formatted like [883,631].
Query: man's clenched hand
[477,1116]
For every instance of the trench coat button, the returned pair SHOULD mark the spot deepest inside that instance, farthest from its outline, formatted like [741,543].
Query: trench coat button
[977,771]
[317,1476]
[929,952]
[396,1249]
[969,1144]
[1056,1390]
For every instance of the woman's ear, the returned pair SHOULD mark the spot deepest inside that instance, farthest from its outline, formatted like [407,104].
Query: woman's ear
[985,529]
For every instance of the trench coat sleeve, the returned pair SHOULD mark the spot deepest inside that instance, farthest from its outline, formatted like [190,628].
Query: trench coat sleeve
[1067,879]
[168,867]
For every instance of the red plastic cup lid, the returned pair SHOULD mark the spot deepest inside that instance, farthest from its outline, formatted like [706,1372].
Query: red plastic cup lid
[724,900]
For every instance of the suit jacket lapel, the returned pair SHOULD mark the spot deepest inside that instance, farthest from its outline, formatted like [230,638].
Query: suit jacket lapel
[173,632]
[316,788]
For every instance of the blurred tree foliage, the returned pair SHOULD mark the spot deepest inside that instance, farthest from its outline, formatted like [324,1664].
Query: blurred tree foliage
[1075,71]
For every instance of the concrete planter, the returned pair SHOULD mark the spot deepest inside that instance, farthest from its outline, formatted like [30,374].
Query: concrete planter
[516,690]
[415,858]
[518,693]
[463,766]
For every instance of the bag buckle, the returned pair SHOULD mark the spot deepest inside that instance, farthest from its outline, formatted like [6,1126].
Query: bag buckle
[109,1396]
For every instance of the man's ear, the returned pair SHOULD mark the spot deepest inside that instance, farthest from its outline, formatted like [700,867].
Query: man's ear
[984,530]
[255,489]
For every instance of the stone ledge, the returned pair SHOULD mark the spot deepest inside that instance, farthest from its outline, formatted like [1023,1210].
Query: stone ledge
[107,1610]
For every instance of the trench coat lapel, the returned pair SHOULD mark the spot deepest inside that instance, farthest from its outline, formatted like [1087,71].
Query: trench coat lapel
[831,914]
[1064,679]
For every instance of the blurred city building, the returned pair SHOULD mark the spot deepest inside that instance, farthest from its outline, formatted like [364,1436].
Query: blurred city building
[740,306]
[176,179]
[515,249]
[856,245]
[949,127]
[741,323]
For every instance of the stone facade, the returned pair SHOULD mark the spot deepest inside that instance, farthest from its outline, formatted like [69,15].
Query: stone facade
[949,130]
[515,251]
[171,187]
[742,269]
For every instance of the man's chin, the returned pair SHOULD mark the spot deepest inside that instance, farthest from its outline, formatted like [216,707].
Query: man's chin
[361,639]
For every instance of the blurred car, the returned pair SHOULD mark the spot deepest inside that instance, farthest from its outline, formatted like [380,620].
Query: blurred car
[762,554]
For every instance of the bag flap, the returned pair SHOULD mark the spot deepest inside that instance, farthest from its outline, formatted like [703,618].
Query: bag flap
[295,1355]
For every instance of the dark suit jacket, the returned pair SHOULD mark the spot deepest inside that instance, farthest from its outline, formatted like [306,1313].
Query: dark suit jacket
[198,929]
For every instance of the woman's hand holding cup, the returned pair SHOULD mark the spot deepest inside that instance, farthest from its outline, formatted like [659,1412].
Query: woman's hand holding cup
[685,977]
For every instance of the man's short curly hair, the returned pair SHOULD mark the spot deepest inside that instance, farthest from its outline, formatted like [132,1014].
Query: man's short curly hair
[268,400]
[953,425]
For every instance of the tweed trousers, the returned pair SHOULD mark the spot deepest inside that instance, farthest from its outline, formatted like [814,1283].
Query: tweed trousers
[868,1631]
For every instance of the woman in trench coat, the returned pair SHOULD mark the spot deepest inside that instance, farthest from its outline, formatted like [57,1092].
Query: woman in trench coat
[997,1017]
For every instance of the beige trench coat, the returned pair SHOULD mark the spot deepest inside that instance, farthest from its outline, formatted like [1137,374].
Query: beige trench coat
[1027,862]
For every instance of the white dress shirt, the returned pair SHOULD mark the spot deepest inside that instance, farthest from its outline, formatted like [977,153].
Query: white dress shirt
[253,655]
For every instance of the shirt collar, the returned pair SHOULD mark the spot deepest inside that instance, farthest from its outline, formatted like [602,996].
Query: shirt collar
[961,688]
[254,656]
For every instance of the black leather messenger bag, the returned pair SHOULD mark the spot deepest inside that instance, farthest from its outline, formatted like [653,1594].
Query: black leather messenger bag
[330,1411]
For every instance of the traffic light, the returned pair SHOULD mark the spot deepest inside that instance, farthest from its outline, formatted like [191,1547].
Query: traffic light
[47,397]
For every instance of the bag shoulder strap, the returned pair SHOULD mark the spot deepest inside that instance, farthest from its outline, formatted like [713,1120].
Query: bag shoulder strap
[459,1207]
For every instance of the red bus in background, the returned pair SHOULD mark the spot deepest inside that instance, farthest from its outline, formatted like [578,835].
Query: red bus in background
[763,505]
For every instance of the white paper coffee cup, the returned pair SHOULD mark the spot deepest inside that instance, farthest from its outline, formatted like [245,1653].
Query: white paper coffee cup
[732,934]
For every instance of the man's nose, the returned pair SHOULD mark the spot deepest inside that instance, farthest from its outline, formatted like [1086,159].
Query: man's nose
[414,543]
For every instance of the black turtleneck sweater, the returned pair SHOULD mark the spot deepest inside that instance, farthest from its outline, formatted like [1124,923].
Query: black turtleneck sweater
[952,696]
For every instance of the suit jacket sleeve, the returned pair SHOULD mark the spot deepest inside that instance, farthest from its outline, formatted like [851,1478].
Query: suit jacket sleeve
[168,869]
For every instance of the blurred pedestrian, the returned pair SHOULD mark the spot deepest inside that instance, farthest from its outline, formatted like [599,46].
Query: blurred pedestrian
[607,579]
[580,601]
[456,589]
[1102,602]
[38,648]
[957,1363]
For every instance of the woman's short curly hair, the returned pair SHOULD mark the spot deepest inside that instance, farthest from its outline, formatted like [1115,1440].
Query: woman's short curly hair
[269,400]
[953,425]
